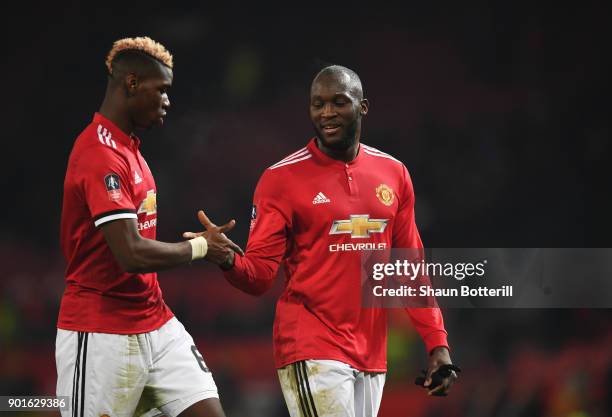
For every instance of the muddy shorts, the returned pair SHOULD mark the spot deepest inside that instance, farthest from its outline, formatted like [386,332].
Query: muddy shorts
[148,374]
[328,388]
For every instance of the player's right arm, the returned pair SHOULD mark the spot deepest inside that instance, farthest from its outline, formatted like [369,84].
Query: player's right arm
[254,272]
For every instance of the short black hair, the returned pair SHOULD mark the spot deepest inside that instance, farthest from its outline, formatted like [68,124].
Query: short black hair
[354,82]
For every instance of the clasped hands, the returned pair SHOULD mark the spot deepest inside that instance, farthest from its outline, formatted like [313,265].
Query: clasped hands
[220,249]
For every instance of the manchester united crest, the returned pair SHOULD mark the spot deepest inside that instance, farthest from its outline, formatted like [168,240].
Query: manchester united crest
[385,194]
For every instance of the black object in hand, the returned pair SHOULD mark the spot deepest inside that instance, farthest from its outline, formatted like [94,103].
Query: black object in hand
[437,377]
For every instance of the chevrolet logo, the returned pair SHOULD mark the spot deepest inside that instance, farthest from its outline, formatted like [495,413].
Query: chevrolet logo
[149,204]
[359,226]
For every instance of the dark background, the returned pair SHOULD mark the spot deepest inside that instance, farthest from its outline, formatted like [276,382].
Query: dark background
[500,111]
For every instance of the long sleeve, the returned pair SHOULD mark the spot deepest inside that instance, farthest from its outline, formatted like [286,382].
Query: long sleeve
[270,223]
[427,321]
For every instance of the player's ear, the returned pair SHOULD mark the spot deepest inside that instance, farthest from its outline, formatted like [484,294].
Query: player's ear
[365,106]
[131,84]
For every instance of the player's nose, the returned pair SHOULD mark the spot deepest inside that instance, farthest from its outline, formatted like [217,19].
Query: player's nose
[328,110]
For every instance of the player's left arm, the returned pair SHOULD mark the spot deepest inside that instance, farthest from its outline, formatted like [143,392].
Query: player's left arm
[137,254]
[438,357]
[254,272]
[428,322]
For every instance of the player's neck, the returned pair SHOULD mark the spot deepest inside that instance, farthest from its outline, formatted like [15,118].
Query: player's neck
[117,115]
[344,155]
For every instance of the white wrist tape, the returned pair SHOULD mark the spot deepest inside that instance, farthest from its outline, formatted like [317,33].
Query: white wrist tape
[199,247]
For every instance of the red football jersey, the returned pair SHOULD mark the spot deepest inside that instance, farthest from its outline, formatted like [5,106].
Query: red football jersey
[309,212]
[107,179]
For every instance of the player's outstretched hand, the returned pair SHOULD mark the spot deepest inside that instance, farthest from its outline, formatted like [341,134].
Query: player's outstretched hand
[220,248]
[438,358]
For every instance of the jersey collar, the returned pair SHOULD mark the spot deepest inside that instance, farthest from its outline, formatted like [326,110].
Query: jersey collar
[118,134]
[323,158]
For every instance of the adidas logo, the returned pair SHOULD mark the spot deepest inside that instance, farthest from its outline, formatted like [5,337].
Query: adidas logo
[105,137]
[320,199]
[137,179]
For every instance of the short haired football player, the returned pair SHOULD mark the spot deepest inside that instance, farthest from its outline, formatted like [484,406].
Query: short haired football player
[119,350]
[331,353]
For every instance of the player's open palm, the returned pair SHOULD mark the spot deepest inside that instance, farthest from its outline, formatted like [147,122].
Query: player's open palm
[220,247]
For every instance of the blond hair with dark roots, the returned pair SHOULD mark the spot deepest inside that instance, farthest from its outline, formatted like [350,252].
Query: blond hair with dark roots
[143,44]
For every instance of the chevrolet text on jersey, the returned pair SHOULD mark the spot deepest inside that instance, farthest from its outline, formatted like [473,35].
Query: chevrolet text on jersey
[345,247]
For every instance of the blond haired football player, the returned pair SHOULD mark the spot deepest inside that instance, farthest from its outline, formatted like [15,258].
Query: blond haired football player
[119,350]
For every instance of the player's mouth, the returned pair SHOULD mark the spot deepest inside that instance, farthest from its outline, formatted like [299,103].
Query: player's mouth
[331,129]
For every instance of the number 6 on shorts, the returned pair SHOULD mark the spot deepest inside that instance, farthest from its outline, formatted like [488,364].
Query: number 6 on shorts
[199,358]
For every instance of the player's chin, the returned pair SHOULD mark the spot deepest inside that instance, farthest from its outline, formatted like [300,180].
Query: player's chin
[332,141]
[156,122]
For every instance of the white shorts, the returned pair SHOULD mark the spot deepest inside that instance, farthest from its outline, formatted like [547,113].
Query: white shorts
[327,388]
[148,374]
